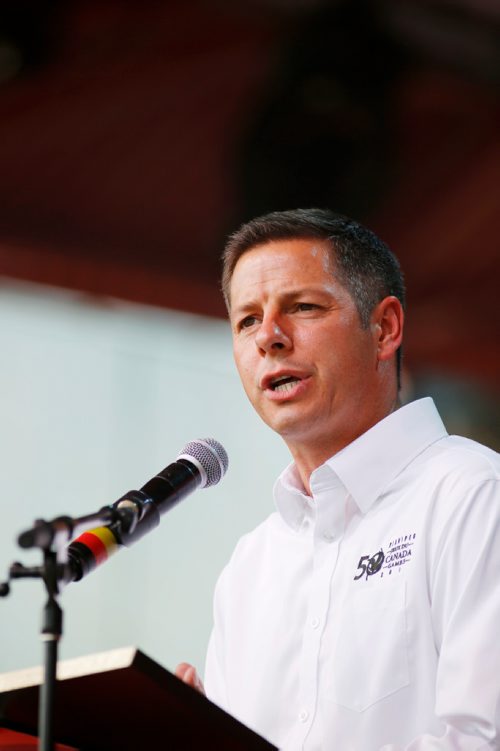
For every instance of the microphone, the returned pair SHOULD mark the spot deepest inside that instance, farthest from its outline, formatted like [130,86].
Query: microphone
[201,464]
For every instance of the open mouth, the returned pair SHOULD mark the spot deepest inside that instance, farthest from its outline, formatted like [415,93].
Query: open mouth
[284,384]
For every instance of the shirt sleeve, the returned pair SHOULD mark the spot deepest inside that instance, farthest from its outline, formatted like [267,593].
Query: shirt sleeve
[465,596]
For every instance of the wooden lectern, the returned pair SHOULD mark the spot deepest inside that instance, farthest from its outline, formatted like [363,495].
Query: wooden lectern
[119,700]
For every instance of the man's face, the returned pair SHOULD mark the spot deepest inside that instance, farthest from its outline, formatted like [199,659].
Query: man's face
[306,364]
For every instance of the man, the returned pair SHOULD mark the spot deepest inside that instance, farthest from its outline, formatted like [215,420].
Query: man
[365,613]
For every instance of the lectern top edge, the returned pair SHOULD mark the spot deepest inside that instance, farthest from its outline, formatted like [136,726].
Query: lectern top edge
[76,667]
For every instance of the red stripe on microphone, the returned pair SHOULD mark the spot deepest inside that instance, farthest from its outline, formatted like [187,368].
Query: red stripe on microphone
[96,545]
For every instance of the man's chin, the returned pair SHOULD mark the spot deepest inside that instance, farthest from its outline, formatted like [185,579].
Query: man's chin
[292,426]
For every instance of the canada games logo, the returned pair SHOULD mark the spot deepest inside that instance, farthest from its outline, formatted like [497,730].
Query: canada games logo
[399,553]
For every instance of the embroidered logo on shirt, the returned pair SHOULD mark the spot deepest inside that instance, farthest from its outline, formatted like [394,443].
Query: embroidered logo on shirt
[370,565]
[399,552]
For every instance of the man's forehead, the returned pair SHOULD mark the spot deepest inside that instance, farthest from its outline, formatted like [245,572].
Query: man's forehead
[290,244]
[286,253]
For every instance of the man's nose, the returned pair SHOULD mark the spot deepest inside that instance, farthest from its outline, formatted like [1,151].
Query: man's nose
[272,335]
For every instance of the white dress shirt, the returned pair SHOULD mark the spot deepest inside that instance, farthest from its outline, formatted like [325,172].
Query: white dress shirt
[368,616]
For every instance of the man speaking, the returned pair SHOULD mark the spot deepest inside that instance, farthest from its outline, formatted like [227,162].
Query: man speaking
[364,614]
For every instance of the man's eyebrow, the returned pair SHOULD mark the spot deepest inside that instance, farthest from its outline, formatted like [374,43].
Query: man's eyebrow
[244,309]
[286,296]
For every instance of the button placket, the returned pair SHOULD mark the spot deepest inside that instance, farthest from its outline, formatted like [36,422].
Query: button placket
[325,557]
[327,529]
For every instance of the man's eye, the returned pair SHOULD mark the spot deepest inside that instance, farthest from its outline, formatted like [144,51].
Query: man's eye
[304,306]
[247,322]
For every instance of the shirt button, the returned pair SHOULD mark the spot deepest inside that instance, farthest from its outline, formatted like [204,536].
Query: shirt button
[315,622]
[328,537]
[303,716]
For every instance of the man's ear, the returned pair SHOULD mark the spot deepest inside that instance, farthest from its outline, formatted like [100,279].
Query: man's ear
[387,324]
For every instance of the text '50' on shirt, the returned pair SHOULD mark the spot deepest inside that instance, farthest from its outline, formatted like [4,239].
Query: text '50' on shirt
[368,616]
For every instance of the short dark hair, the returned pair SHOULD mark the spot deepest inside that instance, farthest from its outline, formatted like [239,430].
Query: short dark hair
[366,266]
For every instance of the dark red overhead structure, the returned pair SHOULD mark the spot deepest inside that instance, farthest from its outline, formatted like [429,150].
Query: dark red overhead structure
[134,136]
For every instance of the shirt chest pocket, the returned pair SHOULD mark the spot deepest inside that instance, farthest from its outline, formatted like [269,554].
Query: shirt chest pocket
[370,658]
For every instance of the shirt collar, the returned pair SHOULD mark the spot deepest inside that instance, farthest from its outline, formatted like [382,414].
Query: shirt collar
[367,465]
[291,501]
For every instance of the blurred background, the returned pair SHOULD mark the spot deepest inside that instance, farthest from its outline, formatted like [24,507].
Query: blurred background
[133,138]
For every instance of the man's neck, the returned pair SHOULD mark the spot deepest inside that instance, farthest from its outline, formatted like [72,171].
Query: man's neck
[308,456]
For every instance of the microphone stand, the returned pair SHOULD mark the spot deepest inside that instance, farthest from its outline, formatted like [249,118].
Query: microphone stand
[50,536]
[50,634]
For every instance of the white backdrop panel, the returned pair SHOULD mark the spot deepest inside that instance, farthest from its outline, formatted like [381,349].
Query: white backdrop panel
[95,398]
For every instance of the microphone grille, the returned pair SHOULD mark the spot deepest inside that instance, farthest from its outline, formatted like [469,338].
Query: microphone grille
[211,456]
